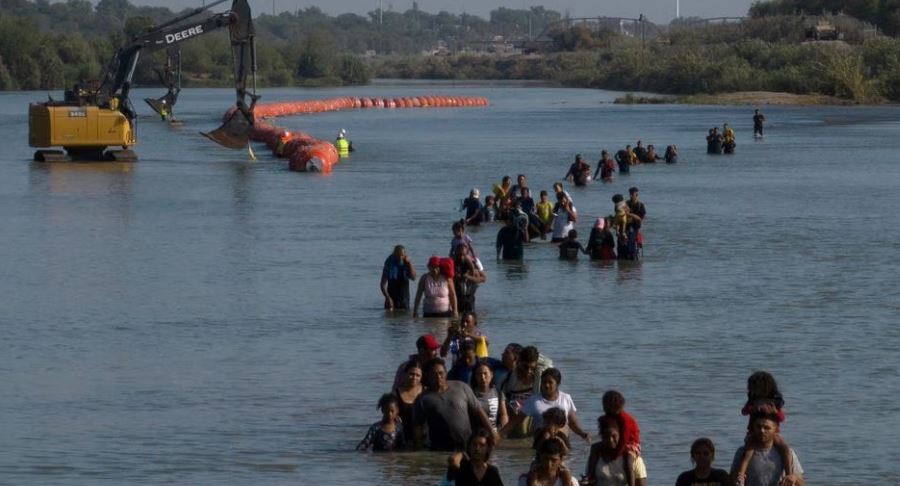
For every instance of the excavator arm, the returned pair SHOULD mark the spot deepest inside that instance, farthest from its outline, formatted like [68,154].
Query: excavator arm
[234,133]
[170,77]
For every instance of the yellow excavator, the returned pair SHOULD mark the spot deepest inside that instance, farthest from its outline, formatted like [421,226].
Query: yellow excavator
[94,117]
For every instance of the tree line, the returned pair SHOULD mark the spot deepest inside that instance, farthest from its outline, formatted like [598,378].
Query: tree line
[46,45]
[759,54]
[885,14]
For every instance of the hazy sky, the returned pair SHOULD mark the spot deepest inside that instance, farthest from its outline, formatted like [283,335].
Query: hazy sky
[659,11]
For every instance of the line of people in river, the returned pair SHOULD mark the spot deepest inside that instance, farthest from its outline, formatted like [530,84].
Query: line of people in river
[580,171]
[468,408]
[450,285]
[616,236]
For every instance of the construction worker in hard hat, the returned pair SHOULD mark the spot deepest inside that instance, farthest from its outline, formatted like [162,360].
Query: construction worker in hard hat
[163,110]
[342,144]
[283,139]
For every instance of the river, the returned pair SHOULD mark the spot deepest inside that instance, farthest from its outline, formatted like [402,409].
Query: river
[202,319]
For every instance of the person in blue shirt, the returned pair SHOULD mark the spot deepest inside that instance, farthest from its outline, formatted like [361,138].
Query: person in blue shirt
[465,364]
[395,277]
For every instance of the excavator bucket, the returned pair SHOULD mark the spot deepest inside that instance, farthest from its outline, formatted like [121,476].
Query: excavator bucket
[169,76]
[156,104]
[234,133]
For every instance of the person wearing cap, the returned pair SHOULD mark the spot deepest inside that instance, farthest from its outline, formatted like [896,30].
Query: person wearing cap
[283,138]
[436,287]
[427,347]
[395,277]
[579,172]
[164,110]
[472,206]
[342,145]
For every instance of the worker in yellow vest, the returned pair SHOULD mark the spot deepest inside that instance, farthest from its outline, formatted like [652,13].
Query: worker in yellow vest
[342,144]
[283,139]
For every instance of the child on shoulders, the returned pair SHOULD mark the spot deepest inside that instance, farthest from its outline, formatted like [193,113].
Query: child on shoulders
[763,397]
[630,443]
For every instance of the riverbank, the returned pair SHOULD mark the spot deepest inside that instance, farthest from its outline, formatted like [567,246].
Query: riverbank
[758,98]
[739,98]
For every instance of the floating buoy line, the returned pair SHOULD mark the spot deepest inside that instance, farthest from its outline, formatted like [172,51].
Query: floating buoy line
[307,153]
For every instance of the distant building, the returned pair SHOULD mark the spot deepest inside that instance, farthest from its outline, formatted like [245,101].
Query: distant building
[440,49]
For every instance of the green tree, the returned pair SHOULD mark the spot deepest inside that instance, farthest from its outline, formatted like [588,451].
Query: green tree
[6,79]
[137,25]
[52,69]
[27,73]
[352,71]
[314,59]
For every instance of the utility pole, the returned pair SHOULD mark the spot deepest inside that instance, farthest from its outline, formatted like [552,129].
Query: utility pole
[677,9]
[643,44]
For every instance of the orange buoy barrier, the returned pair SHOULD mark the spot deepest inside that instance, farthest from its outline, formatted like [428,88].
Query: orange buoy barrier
[303,151]
[287,108]
[306,153]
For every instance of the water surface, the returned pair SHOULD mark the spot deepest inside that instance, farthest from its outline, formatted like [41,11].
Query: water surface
[202,319]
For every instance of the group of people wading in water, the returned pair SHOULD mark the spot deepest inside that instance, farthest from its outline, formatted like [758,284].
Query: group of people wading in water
[724,141]
[467,409]
[451,395]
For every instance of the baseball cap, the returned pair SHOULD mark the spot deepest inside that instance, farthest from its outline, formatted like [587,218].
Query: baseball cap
[427,341]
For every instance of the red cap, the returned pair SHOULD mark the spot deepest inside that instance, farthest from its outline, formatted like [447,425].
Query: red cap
[448,269]
[434,261]
[427,341]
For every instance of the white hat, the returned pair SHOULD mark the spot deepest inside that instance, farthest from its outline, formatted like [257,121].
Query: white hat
[476,192]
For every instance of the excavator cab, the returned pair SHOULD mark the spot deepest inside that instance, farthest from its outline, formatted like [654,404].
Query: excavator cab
[93,117]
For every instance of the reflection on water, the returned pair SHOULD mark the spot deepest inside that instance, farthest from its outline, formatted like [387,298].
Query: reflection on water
[514,269]
[94,179]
